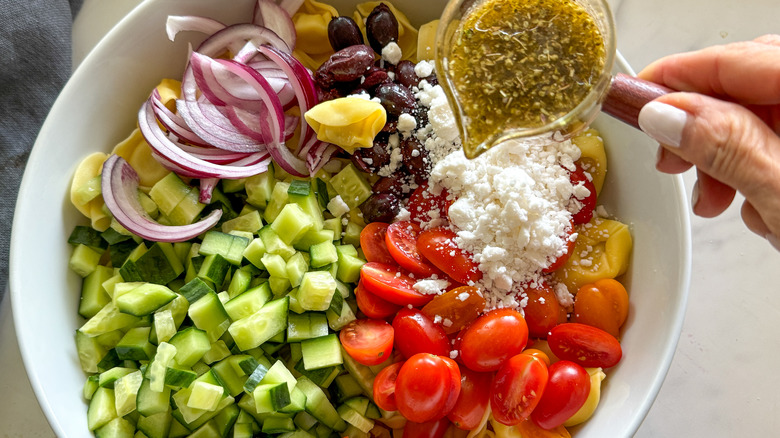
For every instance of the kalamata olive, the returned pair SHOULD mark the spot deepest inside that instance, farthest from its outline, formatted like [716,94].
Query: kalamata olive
[391,184]
[415,158]
[346,65]
[405,75]
[343,32]
[376,156]
[374,77]
[381,27]
[396,98]
[380,207]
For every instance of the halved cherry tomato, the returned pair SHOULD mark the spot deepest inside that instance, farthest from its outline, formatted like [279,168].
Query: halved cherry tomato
[567,389]
[558,262]
[424,385]
[373,306]
[424,206]
[438,246]
[391,284]
[416,333]
[603,304]
[542,312]
[456,308]
[584,345]
[401,240]
[430,429]
[384,387]
[372,241]
[455,379]
[368,341]
[539,354]
[517,388]
[473,400]
[589,202]
[490,340]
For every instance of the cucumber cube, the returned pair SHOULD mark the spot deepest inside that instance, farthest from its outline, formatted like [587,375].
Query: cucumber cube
[259,188]
[102,408]
[291,223]
[116,428]
[250,222]
[135,345]
[125,392]
[316,290]
[209,314]
[90,352]
[191,344]
[274,244]
[84,260]
[295,268]
[107,320]
[276,202]
[321,352]
[254,252]
[188,209]
[261,326]
[93,294]
[164,325]
[275,265]
[351,186]
[323,254]
[205,396]
[248,302]
[144,299]
[168,192]
[271,397]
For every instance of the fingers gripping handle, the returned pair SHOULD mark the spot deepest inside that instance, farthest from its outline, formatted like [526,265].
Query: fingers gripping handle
[627,95]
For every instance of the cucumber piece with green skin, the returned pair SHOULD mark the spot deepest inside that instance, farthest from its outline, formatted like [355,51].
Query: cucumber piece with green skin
[90,386]
[304,420]
[349,268]
[351,234]
[214,268]
[239,283]
[270,397]
[297,434]
[179,378]
[230,246]
[372,412]
[291,223]
[135,345]
[274,425]
[90,352]
[205,396]
[116,428]
[351,416]
[83,260]
[234,383]
[316,290]
[168,192]
[255,377]
[218,351]
[156,425]
[337,322]
[346,387]
[93,294]
[108,319]
[254,252]
[102,408]
[242,430]
[323,254]
[310,205]
[144,299]
[119,252]
[208,314]
[226,419]
[279,286]
[313,237]
[163,326]
[318,405]
[195,289]
[250,222]
[321,352]
[248,302]
[351,186]
[275,265]
[297,402]
[159,264]
[191,344]
[107,378]
[188,209]
[335,225]
[323,377]
[277,201]
[149,402]
[261,326]
[274,244]
[359,404]
[295,268]
[110,360]
[126,391]
[112,236]
[259,188]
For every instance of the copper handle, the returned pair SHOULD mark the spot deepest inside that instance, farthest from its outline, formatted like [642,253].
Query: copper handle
[627,95]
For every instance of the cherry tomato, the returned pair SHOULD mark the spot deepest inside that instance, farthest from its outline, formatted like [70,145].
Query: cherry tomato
[455,379]
[558,262]
[473,399]
[492,339]
[368,341]
[517,389]
[539,354]
[459,306]
[542,312]
[424,206]
[589,202]
[416,333]
[438,246]
[372,241]
[401,240]
[424,385]
[567,389]
[391,284]
[430,429]
[384,387]
[373,306]
[603,304]
[584,345]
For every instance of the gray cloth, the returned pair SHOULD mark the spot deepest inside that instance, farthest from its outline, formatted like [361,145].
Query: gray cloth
[35,63]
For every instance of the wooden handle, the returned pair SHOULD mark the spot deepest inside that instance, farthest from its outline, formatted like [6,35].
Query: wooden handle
[627,95]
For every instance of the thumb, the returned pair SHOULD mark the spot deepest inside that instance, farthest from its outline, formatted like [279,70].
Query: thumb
[724,140]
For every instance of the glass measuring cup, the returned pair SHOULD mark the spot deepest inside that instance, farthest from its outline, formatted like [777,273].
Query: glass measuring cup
[621,95]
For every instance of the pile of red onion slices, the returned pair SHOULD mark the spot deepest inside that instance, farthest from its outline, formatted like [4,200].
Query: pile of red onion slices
[232,118]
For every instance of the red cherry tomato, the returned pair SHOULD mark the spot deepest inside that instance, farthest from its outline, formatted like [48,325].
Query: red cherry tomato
[430,429]
[589,202]
[373,306]
[517,389]
[401,240]
[416,333]
[539,354]
[372,241]
[558,262]
[473,399]
[542,312]
[384,387]
[391,284]
[584,345]
[438,246]
[424,385]
[567,390]
[491,339]
[368,341]
[455,379]
[424,206]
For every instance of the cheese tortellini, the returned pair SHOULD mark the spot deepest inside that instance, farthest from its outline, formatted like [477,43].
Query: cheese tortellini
[347,122]
[312,46]
[594,157]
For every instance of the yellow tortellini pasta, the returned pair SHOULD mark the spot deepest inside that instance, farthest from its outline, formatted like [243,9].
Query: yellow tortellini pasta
[85,192]
[312,46]
[527,429]
[585,412]
[594,157]
[426,41]
[137,152]
[407,34]
[602,251]
[347,122]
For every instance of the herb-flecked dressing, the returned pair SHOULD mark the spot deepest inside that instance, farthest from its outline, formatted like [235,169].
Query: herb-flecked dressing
[523,64]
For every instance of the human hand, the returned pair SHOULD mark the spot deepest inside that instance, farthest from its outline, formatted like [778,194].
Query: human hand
[725,121]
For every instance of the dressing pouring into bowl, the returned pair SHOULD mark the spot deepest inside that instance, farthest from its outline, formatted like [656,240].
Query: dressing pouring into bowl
[532,69]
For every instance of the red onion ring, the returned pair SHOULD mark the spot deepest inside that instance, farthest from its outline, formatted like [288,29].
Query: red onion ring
[182,23]
[274,17]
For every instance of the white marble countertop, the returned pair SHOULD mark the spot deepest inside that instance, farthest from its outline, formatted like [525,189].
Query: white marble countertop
[723,381]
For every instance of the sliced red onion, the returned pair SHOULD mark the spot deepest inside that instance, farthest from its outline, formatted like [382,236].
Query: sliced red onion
[319,156]
[119,183]
[182,23]
[269,14]
[207,186]
[234,37]
[291,6]
[206,120]
[173,122]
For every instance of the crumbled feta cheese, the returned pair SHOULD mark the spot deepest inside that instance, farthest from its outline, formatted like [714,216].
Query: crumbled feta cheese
[430,286]
[423,69]
[392,53]
[337,206]
[406,123]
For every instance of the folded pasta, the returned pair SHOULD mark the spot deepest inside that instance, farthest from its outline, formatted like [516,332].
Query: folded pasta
[348,122]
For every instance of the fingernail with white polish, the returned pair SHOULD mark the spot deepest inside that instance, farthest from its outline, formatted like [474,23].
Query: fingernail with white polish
[663,122]
[773,240]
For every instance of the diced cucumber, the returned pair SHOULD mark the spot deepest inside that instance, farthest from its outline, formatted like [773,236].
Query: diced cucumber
[372,412]
[109,377]
[90,352]
[164,326]
[351,234]
[195,289]
[191,344]
[110,360]
[205,396]
[270,397]
[156,425]
[259,188]
[209,315]
[359,404]
[318,405]
[144,299]
[179,378]
[274,244]
[361,373]
[349,268]
[305,326]
[125,392]
[248,302]
[277,201]
[150,402]
[188,209]
[116,428]
[337,322]
[230,246]
[84,260]
[254,252]
[275,265]
[351,186]
[250,222]
[347,387]
[313,237]
[218,351]
[278,425]
[323,254]
[90,386]
[215,269]
[232,380]
[316,290]
[169,192]
[354,418]
[242,430]
[295,268]
[93,294]
[297,434]
[297,402]
[226,419]
[261,326]
[304,420]
[279,285]
[239,283]
[108,319]
[255,377]
[159,264]
[135,345]
[321,352]
[102,408]
[291,223]
[323,377]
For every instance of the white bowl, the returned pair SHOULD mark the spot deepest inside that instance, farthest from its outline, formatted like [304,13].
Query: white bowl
[98,108]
